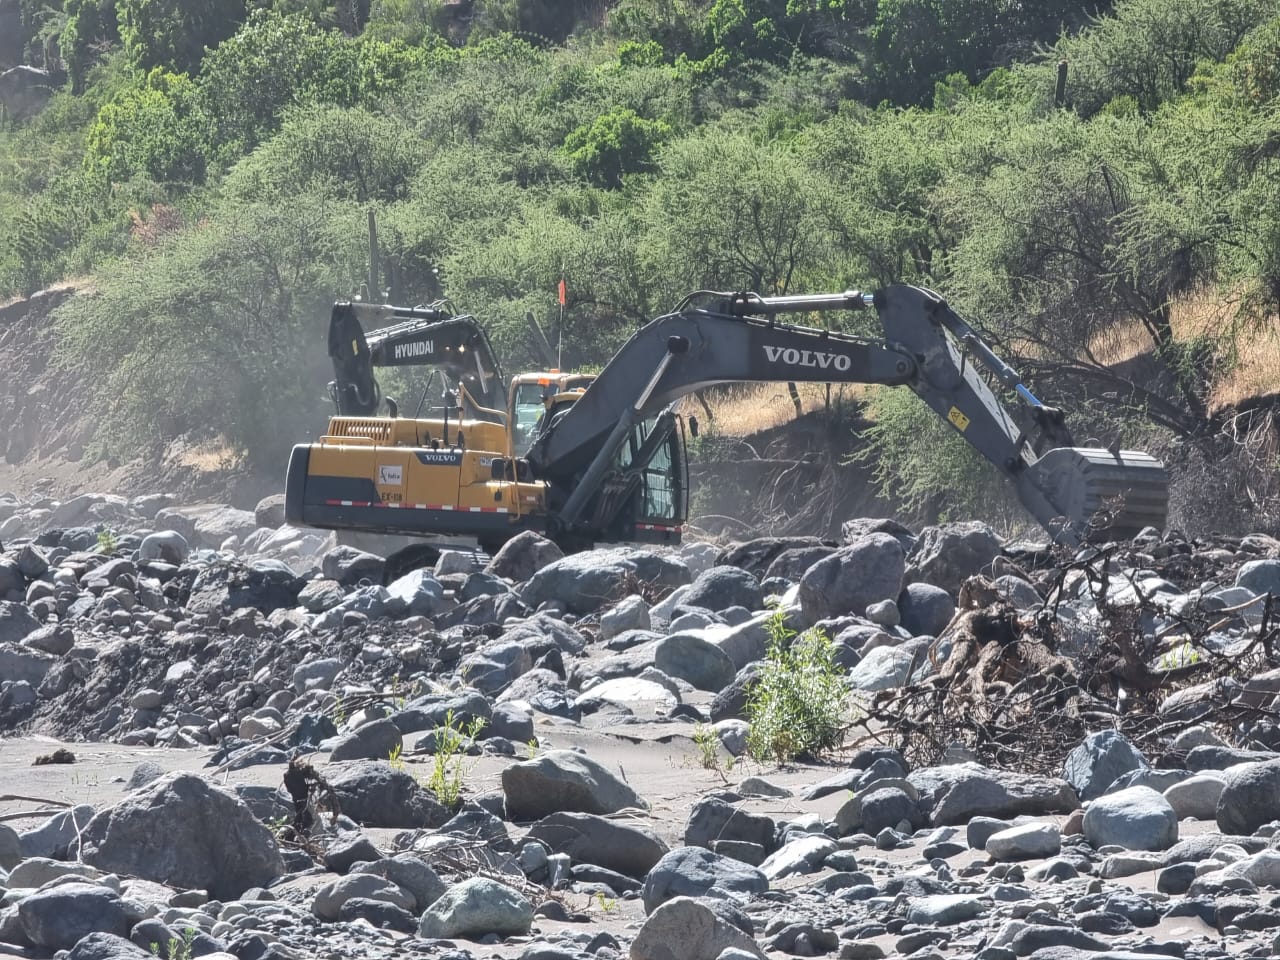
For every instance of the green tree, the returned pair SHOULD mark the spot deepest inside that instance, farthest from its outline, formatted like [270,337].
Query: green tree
[155,129]
[277,61]
[345,153]
[728,213]
[1149,49]
[615,144]
[174,33]
[196,330]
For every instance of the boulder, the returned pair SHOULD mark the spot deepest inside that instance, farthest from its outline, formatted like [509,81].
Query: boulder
[790,565]
[1196,797]
[1250,797]
[328,900]
[376,740]
[1260,576]
[409,873]
[22,664]
[417,593]
[57,917]
[630,613]
[756,556]
[713,819]
[925,610]
[16,623]
[217,526]
[1095,763]
[804,854]
[1027,841]
[10,847]
[373,794]
[561,780]
[524,555]
[586,838]
[948,554]
[884,668]
[475,908]
[24,91]
[585,582]
[693,871]
[1138,818]
[958,792]
[723,587]
[350,566]
[695,660]
[53,838]
[685,928]
[853,577]
[270,511]
[229,585]
[186,832]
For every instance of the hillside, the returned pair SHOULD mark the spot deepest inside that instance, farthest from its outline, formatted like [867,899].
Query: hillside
[1091,183]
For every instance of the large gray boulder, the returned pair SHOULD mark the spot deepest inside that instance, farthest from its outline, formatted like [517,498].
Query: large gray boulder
[524,555]
[57,917]
[24,91]
[1260,576]
[1138,818]
[328,900]
[475,908]
[417,593]
[863,573]
[217,526]
[723,587]
[686,928]
[695,660]
[948,554]
[561,780]
[1098,760]
[693,871]
[1250,797]
[16,624]
[622,847]
[925,610]
[229,585]
[184,831]
[349,566]
[373,794]
[23,663]
[958,792]
[588,582]
[376,740]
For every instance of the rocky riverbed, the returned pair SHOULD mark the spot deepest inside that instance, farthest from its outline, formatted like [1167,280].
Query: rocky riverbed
[226,737]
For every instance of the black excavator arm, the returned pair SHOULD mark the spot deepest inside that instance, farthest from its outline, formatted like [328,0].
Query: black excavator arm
[424,336]
[1075,493]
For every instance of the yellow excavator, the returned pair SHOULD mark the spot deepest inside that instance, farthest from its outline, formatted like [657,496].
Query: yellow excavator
[585,459]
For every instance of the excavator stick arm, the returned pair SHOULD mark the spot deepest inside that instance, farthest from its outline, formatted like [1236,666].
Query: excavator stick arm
[423,336]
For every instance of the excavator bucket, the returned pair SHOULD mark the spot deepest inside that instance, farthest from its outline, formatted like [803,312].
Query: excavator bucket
[1095,495]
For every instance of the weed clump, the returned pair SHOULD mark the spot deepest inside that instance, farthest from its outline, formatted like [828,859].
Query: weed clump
[798,704]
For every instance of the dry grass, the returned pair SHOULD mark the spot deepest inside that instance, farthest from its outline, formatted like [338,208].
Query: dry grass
[744,409]
[1205,314]
[211,456]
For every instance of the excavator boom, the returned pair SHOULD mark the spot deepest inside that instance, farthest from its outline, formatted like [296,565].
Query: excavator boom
[1075,493]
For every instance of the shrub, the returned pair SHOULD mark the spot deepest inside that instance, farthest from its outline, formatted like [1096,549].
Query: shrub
[797,707]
